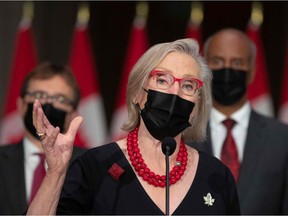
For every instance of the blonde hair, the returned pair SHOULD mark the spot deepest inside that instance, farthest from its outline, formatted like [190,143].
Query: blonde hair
[149,61]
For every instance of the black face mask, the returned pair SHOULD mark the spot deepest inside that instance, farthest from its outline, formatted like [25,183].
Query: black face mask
[55,116]
[166,114]
[228,85]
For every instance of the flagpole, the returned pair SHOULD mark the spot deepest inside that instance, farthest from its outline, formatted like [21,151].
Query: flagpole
[27,14]
[142,9]
[83,14]
[196,14]
[195,21]
[256,18]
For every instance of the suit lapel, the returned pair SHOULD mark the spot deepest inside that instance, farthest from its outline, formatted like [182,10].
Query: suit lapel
[14,178]
[253,147]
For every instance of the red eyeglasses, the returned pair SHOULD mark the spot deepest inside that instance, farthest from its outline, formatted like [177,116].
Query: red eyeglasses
[163,80]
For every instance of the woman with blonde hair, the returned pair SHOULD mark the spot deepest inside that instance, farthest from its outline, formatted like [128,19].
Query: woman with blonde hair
[168,95]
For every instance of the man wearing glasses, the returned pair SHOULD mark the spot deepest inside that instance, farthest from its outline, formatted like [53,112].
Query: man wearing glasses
[23,165]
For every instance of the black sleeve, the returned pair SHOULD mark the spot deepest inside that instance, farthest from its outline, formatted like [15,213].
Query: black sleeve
[76,195]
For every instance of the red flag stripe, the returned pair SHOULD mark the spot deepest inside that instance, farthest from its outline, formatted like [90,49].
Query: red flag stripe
[23,61]
[194,31]
[138,44]
[259,91]
[93,131]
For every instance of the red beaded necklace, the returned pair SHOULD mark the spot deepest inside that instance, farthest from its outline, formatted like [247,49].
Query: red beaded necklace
[141,168]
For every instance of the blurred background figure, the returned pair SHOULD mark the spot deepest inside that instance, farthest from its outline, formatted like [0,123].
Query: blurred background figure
[22,165]
[253,146]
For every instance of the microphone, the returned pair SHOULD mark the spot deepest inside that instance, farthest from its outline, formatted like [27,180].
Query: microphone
[168,147]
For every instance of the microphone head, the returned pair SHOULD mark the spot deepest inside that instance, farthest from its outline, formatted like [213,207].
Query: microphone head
[168,145]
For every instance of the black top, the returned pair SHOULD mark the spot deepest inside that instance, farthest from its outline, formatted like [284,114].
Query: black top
[89,187]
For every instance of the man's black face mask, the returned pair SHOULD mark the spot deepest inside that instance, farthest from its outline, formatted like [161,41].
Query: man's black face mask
[228,85]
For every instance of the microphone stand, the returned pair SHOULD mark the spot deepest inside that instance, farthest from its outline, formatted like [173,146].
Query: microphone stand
[168,148]
[167,179]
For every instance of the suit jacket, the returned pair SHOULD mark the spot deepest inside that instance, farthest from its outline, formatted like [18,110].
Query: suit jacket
[12,178]
[263,177]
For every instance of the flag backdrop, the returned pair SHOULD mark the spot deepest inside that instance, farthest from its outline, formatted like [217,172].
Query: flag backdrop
[259,91]
[138,44]
[283,110]
[24,60]
[93,131]
[194,31]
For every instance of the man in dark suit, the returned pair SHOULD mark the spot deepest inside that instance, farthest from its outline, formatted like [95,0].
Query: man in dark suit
[59,95]
[260,143]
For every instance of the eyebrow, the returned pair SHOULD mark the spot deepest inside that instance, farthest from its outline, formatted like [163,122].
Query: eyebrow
[171,72]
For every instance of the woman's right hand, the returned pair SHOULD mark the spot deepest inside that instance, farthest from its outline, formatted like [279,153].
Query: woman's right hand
[57,147]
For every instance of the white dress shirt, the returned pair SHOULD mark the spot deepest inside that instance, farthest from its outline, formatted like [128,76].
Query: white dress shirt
[31,161]
[239,131]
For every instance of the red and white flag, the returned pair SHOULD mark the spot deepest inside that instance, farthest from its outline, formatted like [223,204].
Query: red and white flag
[24,60]
[138,44]
[283,110]
[93,131]
[194,29]
[259,91]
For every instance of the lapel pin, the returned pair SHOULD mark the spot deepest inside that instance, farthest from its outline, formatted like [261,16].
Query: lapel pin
[208,199]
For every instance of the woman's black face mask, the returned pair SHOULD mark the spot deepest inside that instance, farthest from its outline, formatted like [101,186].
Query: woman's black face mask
[55,116]
[166,114]
[228,85]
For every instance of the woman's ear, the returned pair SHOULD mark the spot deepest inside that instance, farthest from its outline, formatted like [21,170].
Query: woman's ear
[134,101]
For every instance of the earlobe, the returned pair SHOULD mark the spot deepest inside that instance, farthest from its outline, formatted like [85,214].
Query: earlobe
[134,101]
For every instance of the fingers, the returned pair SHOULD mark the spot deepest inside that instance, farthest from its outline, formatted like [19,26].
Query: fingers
[40,121]
[35,115]
[38,117]
[47,133]
[74,126]
[52,134]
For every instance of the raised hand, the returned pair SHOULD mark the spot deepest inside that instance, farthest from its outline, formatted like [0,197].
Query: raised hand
[57,147]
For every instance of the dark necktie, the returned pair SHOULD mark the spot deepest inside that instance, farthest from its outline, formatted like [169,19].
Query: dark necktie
[229,154]
[39,174]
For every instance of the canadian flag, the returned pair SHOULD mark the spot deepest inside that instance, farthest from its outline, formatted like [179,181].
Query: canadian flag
[194,29]
[23,61]
[138,44]
[93,131]
[283,110]
[259,91]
